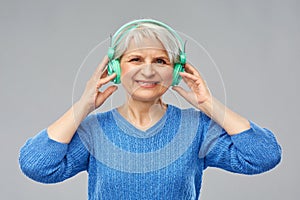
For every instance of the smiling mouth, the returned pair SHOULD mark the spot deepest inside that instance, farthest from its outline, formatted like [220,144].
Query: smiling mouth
[147,83]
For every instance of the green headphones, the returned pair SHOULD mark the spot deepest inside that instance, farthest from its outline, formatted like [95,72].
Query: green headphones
[113,65]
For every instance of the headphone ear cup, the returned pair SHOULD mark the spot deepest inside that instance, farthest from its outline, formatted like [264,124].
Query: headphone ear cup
[176,76]
[113,66]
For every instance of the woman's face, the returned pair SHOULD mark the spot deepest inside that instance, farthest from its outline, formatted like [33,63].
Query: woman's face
[146,71]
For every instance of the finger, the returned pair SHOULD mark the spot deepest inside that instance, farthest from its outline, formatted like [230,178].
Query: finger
[98,72]
[197,79]
[180,91]
[189,76]
[190,69]
[188,81]
[104,74]
[105,80]
[106,93]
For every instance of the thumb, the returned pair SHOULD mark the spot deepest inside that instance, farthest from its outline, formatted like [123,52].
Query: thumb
[105,94]
[180,91]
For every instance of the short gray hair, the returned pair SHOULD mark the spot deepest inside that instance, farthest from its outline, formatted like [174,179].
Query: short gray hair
[151,31]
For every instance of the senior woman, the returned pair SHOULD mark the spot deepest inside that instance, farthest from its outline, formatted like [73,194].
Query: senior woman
[146,148]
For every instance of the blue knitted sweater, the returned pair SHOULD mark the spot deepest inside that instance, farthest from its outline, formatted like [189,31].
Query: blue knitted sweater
[164,162]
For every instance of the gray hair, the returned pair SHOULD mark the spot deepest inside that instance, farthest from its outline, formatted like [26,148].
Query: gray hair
[151,31]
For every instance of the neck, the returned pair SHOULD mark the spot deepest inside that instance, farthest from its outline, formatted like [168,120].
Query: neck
[142,115]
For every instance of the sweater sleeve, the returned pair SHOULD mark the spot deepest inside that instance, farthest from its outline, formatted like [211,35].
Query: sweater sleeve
[45,160]
[252,151]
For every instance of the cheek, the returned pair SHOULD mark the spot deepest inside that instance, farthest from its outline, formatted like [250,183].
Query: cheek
[124,69]
[127,73]
[167,75]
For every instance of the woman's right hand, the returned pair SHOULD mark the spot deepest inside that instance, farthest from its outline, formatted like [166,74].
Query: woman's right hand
[64,128]
[92,97]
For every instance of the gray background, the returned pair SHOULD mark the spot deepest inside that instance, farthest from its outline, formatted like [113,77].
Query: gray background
[254,43]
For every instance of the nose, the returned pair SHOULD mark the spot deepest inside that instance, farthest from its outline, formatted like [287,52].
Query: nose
[148,70]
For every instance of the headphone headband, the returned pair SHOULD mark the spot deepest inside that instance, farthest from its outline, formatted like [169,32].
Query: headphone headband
[137,23]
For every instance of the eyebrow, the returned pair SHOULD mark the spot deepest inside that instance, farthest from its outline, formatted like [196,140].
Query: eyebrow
[133,55]
[162,57]
[140,55]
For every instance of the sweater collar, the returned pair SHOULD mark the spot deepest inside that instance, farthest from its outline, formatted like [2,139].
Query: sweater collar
[130,129]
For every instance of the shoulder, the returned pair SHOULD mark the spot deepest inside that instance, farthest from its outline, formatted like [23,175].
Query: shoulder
[92,123]
[190,117]
[94,118]
[90,127]
[196,118]
[190,113]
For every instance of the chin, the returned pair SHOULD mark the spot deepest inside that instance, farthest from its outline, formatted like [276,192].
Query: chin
[147,96]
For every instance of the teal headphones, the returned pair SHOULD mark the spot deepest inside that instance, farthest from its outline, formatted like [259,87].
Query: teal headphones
[113,65]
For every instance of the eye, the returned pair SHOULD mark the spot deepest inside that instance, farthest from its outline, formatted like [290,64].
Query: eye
[135,59]
[161,61]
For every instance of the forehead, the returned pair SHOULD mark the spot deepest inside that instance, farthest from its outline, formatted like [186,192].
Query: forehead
[146,44]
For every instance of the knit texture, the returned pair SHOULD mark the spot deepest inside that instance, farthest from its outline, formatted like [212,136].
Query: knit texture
[164,162]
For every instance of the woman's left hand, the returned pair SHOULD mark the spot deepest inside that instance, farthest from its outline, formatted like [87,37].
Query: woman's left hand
[201,98]
[199,95]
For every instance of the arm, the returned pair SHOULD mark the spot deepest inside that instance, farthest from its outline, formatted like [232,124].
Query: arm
[57,153]
[252,151]
[48,161]
[201,98]
[241,146]
[64,128]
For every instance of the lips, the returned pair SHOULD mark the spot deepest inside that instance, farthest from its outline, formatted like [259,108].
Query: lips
[147,84]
